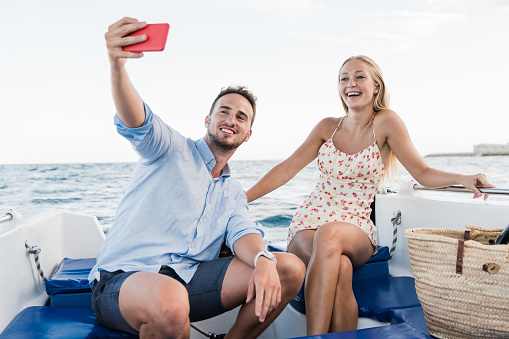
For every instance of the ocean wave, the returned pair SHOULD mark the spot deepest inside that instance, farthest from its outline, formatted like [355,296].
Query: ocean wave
[49,178]
[280,220]
[44,170]
[57,179]
[55,201]
[57,191]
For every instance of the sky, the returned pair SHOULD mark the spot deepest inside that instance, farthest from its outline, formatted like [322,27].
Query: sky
[445,63]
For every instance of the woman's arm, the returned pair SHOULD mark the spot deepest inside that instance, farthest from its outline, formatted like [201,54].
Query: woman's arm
[286,170]
[398,139]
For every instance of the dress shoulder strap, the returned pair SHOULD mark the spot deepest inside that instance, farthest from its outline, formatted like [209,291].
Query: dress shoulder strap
[340,121]
[373,123]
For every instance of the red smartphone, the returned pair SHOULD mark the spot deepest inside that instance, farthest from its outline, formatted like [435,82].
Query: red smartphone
[156,38]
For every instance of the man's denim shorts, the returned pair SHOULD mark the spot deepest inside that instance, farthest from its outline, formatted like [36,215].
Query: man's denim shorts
[204,291]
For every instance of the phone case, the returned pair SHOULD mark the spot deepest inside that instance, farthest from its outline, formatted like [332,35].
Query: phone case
[156,38]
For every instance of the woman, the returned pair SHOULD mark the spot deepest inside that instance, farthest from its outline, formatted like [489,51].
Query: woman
[332,232]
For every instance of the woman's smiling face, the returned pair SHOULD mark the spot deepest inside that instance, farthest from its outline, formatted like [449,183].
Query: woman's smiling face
[356,84]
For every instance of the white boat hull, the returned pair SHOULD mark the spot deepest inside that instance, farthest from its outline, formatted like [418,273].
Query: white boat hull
[59,234]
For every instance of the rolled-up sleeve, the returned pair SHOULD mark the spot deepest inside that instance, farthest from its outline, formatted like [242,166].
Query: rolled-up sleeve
[135,135]
[153,140]
[241,224]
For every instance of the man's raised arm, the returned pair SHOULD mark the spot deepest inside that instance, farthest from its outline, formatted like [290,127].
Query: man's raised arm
[128,102]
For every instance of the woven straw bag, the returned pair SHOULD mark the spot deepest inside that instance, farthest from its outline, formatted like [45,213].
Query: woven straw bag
[463,285]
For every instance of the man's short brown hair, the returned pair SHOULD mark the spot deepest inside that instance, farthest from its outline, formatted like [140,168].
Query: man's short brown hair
[237,90]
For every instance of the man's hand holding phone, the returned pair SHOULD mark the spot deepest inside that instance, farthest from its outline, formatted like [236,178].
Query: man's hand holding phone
[128,38]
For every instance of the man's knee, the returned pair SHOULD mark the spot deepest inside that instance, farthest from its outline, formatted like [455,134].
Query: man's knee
[291,272]
[171,310]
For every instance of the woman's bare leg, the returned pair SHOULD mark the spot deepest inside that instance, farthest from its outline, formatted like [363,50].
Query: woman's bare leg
[330,242]
[345,313]
[302,245]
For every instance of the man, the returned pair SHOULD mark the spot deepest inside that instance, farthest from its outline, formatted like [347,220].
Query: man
[158,268]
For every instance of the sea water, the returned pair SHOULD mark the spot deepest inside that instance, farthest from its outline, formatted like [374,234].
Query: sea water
[96,189]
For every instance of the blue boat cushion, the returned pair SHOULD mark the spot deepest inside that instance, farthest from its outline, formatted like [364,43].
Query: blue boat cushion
[383,254]
[371,270]
[399,331]
[277,246]
[377,297]
[59,322]
[413,316]
[70,276]
[72,299]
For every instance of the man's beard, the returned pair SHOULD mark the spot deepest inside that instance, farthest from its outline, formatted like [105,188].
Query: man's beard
[222,145]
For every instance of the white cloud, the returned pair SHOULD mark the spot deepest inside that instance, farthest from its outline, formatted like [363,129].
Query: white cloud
[381,41]
[413,24]
[290,10]
[375,40]
[394,31]
[467,5]
[315,36]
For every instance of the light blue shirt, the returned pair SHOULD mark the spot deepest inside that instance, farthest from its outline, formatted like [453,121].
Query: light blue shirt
[173,213]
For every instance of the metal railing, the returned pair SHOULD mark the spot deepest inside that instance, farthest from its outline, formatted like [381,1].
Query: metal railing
[485,190]
[5,218]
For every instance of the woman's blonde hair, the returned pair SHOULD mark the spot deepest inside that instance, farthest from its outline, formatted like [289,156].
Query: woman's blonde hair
[380,101]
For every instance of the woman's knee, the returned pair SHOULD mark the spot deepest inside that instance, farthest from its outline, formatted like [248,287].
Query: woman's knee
[328,239]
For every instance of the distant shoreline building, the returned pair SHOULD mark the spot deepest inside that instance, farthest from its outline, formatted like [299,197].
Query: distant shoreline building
[491,149]
[479,150]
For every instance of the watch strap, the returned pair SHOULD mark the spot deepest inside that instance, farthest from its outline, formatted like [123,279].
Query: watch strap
[267,255]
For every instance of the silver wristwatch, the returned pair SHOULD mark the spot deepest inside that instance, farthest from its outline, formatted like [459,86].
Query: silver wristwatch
[267,255]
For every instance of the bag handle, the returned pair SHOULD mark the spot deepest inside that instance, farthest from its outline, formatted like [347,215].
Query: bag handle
[461,248]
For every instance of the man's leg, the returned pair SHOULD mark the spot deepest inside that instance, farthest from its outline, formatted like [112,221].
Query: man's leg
[291,273]
[155,305]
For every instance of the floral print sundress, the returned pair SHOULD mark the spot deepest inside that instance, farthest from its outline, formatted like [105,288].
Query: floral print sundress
[346,188]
